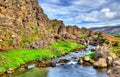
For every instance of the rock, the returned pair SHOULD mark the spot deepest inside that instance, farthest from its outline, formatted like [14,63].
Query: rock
[92,61]
[1,40]
[101,63]
[74,57]
[116,63]
[114,72]
[80,61]
[93,50]
[10,71]
[109,71]
[51,64]
[86,59]
[86,63]
[22,69]
[42,64]
[46,64]
[101,52]
[63,61]
[109,60]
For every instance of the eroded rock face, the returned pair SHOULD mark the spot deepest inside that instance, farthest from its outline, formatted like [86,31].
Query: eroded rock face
[21,14]
[18,20]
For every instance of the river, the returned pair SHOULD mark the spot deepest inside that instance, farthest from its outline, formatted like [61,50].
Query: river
[70,69]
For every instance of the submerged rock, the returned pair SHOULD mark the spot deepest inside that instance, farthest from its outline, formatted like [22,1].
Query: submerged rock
[63,61]
[51,64]
[74,57]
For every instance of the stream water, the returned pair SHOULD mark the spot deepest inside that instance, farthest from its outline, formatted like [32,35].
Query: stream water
[70,69]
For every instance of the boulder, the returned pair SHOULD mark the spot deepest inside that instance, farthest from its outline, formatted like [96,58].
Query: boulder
[101,52]
[101,63]
[80,61]
[86,59]
[109,60]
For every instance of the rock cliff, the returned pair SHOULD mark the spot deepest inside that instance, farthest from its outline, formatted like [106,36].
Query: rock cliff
[24,24]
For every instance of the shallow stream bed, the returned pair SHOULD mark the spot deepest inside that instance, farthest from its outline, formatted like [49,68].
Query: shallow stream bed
[70,69]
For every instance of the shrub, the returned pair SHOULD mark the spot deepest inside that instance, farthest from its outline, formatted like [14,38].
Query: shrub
[54,24]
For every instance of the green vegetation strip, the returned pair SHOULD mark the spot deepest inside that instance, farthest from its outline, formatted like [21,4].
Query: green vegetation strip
[90,55]
[15,58]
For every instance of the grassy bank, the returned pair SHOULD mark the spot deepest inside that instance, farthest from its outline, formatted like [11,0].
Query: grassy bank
[15,58]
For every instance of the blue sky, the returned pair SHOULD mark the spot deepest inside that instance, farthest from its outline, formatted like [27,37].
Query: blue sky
[84,13]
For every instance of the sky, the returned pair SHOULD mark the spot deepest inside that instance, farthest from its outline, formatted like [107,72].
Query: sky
[84,13]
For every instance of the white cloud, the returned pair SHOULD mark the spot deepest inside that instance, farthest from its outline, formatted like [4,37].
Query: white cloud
[78,11]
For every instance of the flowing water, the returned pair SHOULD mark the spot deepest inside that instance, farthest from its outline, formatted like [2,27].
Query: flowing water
[70,69]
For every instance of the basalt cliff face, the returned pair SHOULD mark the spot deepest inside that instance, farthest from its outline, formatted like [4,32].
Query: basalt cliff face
[24,24]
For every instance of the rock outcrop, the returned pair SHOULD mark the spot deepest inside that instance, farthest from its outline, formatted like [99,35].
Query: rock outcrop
[20,20]
[23,24]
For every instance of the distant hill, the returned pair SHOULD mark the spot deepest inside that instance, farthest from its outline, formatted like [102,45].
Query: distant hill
[108,29]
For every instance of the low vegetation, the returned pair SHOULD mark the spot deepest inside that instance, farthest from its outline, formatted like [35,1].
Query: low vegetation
[116,49]
[83,35]
[116,35]
[95,36]
[54,24]
[90,55]
[15,58]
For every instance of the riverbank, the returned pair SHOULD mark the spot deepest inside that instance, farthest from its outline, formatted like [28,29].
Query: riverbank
[15,58]
[66,67]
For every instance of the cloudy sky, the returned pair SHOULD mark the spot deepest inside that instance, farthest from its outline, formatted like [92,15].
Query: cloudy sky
[86,13]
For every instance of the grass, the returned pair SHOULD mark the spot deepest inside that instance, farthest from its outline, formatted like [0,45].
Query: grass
[15,58]
[95,36]
[90,55]
[116,49]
